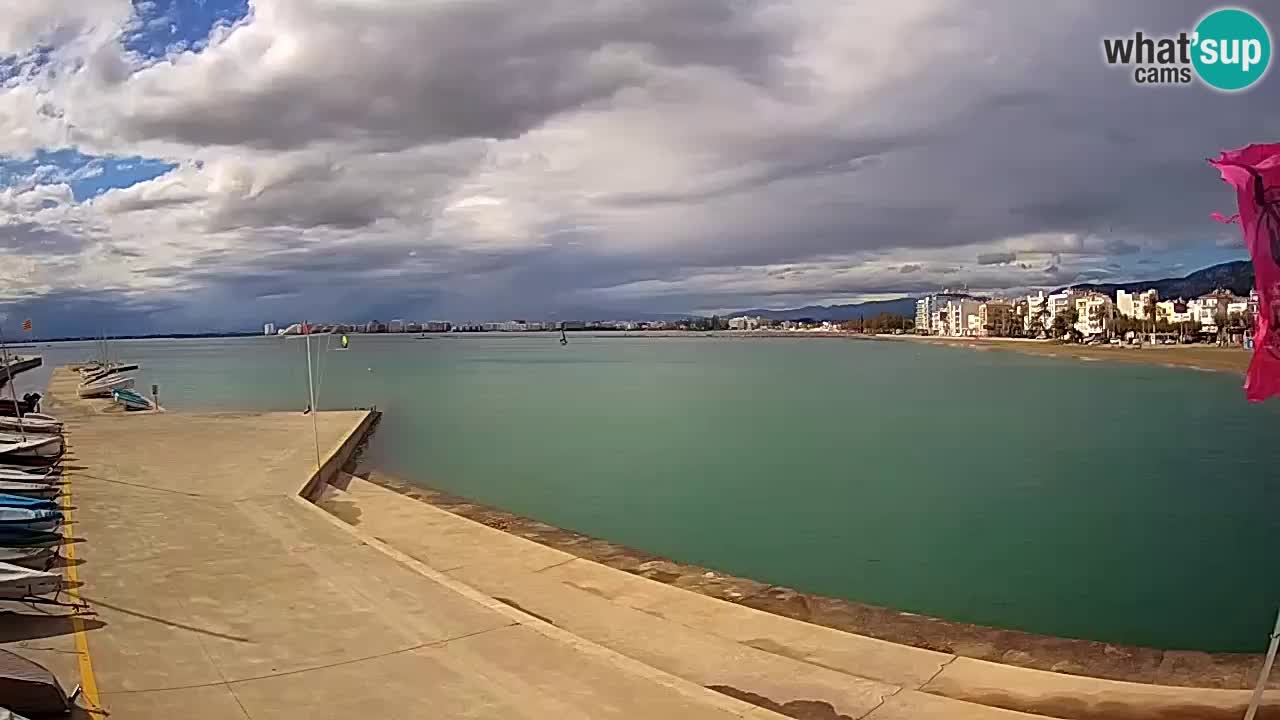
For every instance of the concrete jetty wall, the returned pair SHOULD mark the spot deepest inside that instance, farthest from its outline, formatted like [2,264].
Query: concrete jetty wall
[340,455]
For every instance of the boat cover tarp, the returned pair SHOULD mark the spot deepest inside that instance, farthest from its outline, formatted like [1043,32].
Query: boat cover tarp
[18,536]
[36,558]
[18,582]
[30,503]
[30,489]
[26,687]
[22,516]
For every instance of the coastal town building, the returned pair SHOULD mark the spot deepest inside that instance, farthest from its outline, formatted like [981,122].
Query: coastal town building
[1033,311]
[1134,305]
[269,329]
[996,317]
[1093,314]
[1058,303]
[961,317]
[743,322]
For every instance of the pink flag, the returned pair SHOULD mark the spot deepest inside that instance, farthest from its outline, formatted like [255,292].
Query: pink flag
[1254,171]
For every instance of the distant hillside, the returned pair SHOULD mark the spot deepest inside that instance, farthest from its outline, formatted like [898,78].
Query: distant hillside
[1236,276]
[837,313]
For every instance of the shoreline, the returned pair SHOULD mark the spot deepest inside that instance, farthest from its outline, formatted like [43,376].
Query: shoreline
[1088,658]
[1206,358]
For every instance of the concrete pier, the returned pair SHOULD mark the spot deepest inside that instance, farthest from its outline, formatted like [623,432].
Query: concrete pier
[220,593]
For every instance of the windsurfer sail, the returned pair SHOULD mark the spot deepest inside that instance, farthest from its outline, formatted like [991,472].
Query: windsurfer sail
[345,342]
[563,340]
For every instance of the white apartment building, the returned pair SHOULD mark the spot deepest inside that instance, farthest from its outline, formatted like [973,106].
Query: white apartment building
[1035,306]
[269,329]
[1058,304]
[1093,313]
[1134,305]
[962,317]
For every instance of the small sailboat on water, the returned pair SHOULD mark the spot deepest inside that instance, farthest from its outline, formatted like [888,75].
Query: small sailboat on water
[563,340]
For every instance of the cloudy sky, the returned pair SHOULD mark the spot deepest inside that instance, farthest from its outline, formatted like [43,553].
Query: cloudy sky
[213,164]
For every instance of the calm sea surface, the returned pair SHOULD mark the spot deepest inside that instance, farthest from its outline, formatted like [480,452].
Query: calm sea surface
[1113,502]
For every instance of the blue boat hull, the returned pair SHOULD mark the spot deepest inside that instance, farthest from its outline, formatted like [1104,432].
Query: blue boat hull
[20,537]
[28,503]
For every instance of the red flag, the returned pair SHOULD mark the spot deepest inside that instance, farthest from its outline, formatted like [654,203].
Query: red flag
[26,325]
[1254,172]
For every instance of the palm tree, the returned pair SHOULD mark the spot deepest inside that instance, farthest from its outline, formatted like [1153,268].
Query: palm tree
[1151,305]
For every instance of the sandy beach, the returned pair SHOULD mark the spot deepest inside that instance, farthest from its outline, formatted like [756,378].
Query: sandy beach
[1200,357]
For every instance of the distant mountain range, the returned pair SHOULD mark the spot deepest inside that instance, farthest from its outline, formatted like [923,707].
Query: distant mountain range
[837,313]
[1236,276]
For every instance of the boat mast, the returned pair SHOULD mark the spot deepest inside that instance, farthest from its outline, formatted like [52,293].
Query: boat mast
[1256,699]
[17,411]
[311,395]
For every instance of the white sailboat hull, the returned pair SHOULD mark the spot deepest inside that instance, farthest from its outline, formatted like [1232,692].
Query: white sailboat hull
[43,447]
[103,387]
[34,426]
[17,582]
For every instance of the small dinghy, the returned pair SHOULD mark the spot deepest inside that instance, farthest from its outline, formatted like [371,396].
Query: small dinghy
[103,387]
[132,400]
[35,558]
[19,583]
[30,473]
[29,489]
[28,688]
[12,537]
[55,441]
[30,520]
[27,502]
[33,423]
[35,446]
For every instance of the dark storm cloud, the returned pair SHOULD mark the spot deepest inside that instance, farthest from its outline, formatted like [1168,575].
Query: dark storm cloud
[997,258]
[739,144]
[428,73]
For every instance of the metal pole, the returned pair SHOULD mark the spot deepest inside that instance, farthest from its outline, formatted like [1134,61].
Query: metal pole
[1265,673]
[311,393]
[17,411]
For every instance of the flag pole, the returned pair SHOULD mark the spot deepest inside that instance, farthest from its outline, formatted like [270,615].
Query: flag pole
[311,393]
[1265,673]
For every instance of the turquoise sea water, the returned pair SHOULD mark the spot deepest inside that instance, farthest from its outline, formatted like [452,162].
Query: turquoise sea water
[1113,502]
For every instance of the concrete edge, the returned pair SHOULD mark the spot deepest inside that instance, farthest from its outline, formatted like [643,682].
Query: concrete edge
[339,456]
[987,683]
[684,687]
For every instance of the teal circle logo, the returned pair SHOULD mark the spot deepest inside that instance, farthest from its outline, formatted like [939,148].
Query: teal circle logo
[1232,49]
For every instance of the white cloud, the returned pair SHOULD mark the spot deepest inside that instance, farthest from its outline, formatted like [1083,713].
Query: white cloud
[512,155]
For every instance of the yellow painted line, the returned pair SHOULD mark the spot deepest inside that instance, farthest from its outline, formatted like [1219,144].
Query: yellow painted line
[88,682]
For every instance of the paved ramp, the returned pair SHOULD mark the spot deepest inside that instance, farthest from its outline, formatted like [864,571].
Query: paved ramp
[221,594]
